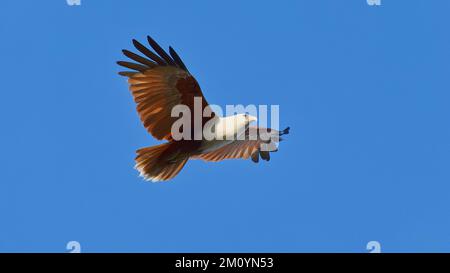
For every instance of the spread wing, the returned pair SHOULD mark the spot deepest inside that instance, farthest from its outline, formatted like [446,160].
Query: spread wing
[258,142]
[158,82]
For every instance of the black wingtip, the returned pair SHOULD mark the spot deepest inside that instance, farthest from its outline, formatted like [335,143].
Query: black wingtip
[177,59]
[128,74]
[255,157]
[285,131]
[265,155]
[162,53]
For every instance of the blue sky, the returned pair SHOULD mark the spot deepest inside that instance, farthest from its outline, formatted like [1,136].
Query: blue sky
[364,89]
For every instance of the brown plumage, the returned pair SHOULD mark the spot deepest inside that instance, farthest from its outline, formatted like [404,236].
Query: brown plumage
[158,82]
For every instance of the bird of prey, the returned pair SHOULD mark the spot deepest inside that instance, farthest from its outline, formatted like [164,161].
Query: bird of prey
[158,82]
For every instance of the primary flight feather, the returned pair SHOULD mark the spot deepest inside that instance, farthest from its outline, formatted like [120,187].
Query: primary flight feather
[159,82]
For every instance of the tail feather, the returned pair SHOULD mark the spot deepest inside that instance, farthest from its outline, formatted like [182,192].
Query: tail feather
[160,163]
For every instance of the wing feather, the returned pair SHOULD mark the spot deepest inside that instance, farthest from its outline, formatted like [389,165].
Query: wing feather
[255,147]
[160,51]
[138,58]
[148,53]
[158,84]
[177,59]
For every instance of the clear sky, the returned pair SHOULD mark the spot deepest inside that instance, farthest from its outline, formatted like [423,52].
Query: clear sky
[364,89]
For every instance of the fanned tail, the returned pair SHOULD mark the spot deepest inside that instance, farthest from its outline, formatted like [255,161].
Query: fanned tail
[161,162]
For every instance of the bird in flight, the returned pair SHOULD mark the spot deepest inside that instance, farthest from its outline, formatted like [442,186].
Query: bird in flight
[159,82]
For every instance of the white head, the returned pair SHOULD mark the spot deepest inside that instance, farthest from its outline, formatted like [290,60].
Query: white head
[249,118]
[242,121]
[234,125]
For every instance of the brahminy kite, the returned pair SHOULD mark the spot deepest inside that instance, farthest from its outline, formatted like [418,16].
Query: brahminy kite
[158,83]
